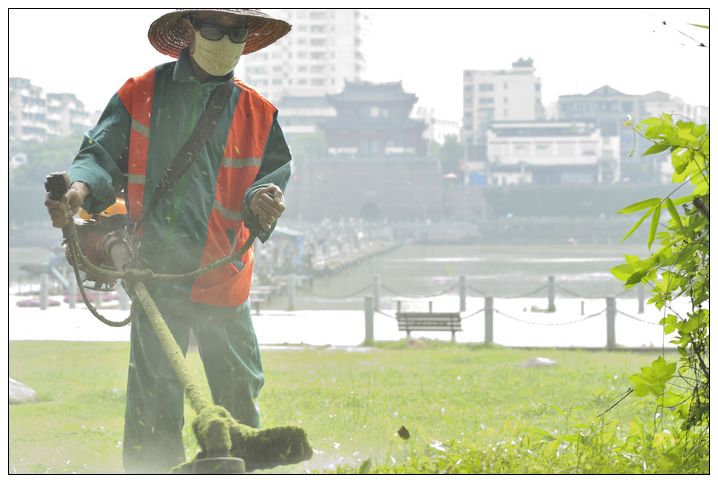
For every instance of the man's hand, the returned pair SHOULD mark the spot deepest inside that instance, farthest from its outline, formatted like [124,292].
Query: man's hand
[62,210]
[267,204]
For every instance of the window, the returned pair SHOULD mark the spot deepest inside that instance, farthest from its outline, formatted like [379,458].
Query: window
[486,87]
[486,100]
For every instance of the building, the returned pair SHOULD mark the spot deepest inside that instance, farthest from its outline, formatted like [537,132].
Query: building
[35,115]
[323,51]
[375,166]
[609,109]
[27,111]
[66,114]
[302,115]
[436,129]
[549,152]
[373,120]
[495,96]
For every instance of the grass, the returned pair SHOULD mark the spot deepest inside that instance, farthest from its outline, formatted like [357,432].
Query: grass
[467,408]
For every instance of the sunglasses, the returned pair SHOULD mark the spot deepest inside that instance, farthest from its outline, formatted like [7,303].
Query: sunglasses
[214,32]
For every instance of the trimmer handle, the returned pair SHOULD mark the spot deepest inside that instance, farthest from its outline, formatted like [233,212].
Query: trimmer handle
[57,184]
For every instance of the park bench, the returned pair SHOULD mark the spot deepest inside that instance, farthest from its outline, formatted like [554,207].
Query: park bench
[429,321]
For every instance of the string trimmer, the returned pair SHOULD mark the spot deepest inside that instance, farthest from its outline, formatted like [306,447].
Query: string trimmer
[226,445]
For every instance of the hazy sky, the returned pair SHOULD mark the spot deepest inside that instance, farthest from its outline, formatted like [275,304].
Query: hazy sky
[92,52]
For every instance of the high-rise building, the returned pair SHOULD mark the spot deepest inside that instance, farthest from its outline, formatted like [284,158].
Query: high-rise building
[323,51]
[66,114]
[610,108]
[27,108]
[35,115]
[498,95]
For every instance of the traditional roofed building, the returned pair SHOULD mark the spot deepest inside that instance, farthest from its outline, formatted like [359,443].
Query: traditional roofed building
[373,120]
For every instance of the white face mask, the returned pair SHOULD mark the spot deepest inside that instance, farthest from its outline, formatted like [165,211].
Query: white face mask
[216,57]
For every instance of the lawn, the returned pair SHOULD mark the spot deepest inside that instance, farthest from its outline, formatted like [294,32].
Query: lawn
[467,408]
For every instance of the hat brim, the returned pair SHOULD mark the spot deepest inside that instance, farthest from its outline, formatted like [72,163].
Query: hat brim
[165,33]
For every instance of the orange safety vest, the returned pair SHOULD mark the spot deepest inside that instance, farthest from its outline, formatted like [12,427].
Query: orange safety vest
[226,286]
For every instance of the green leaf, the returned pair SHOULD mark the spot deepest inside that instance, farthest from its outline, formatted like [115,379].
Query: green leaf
[636,277]
[656,148]
[699,26]
[654,225]
[641,205]
[652,121]
[638,223]
[685,199]
[364,467]
[622,272]
[679,159]
[674,214]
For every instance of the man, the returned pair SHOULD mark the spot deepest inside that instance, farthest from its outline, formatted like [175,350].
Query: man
[239,174]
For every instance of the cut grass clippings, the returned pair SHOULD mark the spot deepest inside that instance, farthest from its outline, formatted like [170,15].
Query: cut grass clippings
[464,408]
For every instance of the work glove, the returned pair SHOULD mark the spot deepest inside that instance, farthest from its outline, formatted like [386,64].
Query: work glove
[62,210]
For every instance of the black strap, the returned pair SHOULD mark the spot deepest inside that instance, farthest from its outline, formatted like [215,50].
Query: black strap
[186,156]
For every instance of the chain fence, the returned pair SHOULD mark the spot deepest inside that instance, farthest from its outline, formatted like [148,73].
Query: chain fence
[333,297]
[398,294]
[533,322]
[636,318]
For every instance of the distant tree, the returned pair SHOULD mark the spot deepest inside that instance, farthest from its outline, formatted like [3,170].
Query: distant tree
[44,157]
[450,154]
[307,146]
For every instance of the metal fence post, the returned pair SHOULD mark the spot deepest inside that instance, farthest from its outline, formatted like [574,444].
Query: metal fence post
[377,285]
[43,291]
[610,323]
[641,298]
[551,294]
[71,292]
[431,306]
[489,320]
[291,292]
[368,320]
[462,293]
[122,297]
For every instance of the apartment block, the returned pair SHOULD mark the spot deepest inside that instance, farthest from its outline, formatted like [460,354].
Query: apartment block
[36,115]
[498,95]
[550,152]
[323,52]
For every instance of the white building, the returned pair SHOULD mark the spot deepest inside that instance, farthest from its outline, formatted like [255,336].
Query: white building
[27,108]
[322,52]
[499,95]
[34,115]
[550,153]
[436,129]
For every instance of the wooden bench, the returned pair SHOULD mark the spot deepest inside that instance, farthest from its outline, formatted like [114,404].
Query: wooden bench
[429,321]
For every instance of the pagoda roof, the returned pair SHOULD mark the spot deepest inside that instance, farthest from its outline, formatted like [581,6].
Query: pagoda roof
[365,91]
[375,123]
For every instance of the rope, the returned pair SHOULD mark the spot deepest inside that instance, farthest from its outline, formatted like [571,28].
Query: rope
[385,314]
[556,324]
[480,292]
[520,296]
[88,303]
[471,315]
[420,296]
[637,319]
[133,276]
[571,292]
[333,297]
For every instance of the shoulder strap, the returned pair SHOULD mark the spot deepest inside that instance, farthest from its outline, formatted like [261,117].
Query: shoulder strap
[185,157]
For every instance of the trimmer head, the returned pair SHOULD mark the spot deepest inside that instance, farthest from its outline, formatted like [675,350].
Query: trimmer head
[223,465]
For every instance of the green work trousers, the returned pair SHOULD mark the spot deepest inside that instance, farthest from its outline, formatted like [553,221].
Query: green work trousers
[154,414]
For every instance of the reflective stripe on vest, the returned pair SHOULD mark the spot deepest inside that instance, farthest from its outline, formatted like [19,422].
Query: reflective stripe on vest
[228,286]
[136,95]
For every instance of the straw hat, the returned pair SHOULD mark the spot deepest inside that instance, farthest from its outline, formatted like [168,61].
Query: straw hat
[166,36]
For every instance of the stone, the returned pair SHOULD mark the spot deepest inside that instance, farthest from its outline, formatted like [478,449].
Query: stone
[19,393]
[540,362]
